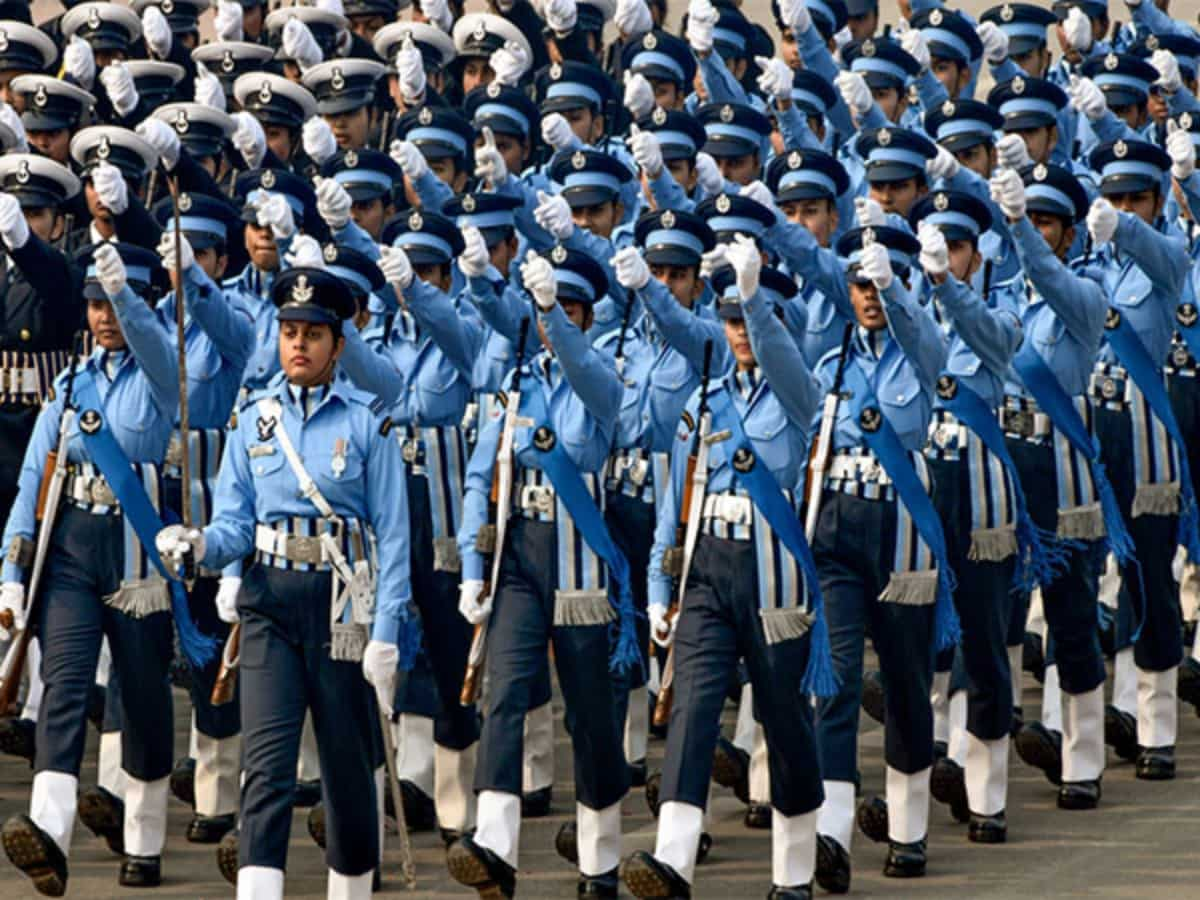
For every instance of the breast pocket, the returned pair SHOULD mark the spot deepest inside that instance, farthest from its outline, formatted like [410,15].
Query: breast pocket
[907,412]
[1133,289]
[767,429]
[336,471]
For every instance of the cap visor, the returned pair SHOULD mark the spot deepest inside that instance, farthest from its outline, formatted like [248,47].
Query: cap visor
[1023,121]
[309,312]
[574,293]
[587,196]
[1045,205]
[361,193]
[422,256]
[727,148]
[34,121]
[1127,184]
[562,104]
[1019,46]
[887,172]
[957,143]
[345,104]
[671,256]
[803,192]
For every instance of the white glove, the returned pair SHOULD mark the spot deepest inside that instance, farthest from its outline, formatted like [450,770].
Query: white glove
[162,137]
[553,213]
[300,45]
[156,32]
[1077,28]
[166,250]
[80,62]
[275,212]
[1012,152]
[395,266]
[1102,221]
[304,253]
[538,277]
[661,631]
[713,260]
[379,664]
[334,6]
[1181,150]
[111,189]
[227,594]
[12,598]
[1008,192]
[228,20]
[437,12]
[842,38]
[9,118]
[119,86]
[995,42]
[869,213]
[876,264]
[409,159]
[510,63]
[855,92]
[317,139]
[1133,4]
[943,165]
[775,80]
[759,193]
[176,544]
[746,259]
[795,15]
[556,131]
[935,252]
[207,88]
[702,20]
[708,174]
[630,267]
[639,95]
[646,150]
[333,204]
[913,42]
[249,139]
[633,18]
[1169,78]
[1086,96]
[560,15]
[468,602]
[13,227]
[475,259]
[489,161]
[410,72]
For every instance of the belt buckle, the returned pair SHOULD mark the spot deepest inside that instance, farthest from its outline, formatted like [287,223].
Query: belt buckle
[99,493]
[944,435]
[174,455]
[409,450]
[1180,357]
[303,549]
[540,499]
[1108,387]
[1018,421]
[638,470]
[872,470]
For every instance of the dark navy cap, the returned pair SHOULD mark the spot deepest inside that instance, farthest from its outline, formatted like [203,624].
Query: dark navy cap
[1093,9]
[24,48]
[902,248]
[438,131]
[1055,190]
[181,15]
[105,26]
[302,294]
[155,81]
[679,135]
[1125,79]
[960,125]
[593,15]
[324,24]
[588,176]
[112,144]
[389,9]
[359,272]
[661,56]
[142,269]
[492,214]
[894,154]
[298,193]
[733,36]
[1026,102]
[36,182]
[1127,167]
[673,238]
[729,303]
[814,95]
[202,129]
[1023,23]
[205,221]
[482,34]
[881,61]
[806,175]
[1186,49]
[365,174]
[228,60]
[856,8]
[572,85]
[505,110]
[733,129]
[436,47]
[343,85]
[959,215]
[50,103]
[274,100]
[427,237]
[577,276]
[729,215]
[948,35]
[828,15]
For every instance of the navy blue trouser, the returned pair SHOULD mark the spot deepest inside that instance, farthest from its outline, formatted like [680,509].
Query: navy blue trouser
[719,624]
[285,671]
[631,524]
[520,629]
[85,564]
[854,546]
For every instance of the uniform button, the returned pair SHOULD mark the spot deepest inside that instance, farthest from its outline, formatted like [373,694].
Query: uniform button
[899,398]
[25,335]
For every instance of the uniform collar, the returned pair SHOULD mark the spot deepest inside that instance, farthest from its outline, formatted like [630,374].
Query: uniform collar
[871,343]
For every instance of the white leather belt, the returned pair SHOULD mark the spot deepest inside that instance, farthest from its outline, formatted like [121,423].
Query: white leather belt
[947,436]
[730,508]
[857,467]
[90,490]
[1110,384]
[631,466]
[19,380]
[292,547]
[537,499]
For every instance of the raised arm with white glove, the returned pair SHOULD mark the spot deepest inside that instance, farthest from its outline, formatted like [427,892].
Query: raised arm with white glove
[633,19]
[510,63]
[935,252]
[538,277]
[317,138]
[437,12]
[111,189]
[489,161]
[561,15]
[1008,192]
[410,73]
[162,137]
[553,213]
[995,42]
[118,84]
[630,268]
[14,230]
[702,21]
[775,80]
[300,45]
[249,139]
[474,259]
[1077,28]
[409,159]
[333,203]
[80,62]
[1087,97]
[646,151]
[1181,150]
[166,251]
[639,95]
[855,92]
[557,132]
[228,21]
[274,212]
[1012,152]
[156,32]
[875,264]
[396,268]
[207,88]
[1102,220]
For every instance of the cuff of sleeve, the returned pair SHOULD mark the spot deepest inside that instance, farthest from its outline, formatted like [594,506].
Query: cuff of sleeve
[949,292]
[386,627]
[659,593]
[472,565]
[12,572]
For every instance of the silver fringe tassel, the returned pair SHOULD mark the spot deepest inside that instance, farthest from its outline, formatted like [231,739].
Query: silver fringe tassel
[445,555]
[138,599]
[785,624]
[347,642]
[1082,523]
[912,588]
[993,544]
[1156,499]
[582,608]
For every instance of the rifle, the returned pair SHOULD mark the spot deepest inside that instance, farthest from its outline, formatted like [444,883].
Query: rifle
[501,497]
[819,461]
[54,475]
[407,866]
[676,559]
[226,680]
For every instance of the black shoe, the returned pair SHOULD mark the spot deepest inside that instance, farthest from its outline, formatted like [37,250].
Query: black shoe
[18,737]
[731,768]
[637,773]
[227,857]
[758,815]
[104,814]
[948,785]
[97,697]
[1189,682]
[179,672]
[1120,733]
[536,804]
[833,865]
[308,793]
[649,879]
[872,695]
[478,867]
[1033,659]
[1041,748]
[1079,794]
[566,842]
[316,825]
[797,892]
[873,819]
[420,813]
[988,829]
[653,787]
[376,881]
[905,860]
[451,835]
[141,871]
[1156,764]
[940,750]
[34,852]
[210,829]
[1018,719]
[183,781]
[703,847]
[606,885]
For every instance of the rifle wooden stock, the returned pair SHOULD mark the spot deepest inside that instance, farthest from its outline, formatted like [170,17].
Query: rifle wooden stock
[226,681]
[473,677]
[44,487]
[16,665]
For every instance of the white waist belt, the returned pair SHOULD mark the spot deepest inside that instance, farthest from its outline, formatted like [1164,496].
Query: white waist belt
[731,508]
[856,467]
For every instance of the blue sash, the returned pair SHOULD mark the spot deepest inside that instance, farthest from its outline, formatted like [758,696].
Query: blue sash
[573,493]
[137,510]
[764,491]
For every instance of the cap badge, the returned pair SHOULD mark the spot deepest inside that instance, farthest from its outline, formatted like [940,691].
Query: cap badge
[267,179]
[415,222]
[650,41]
[302,292]
[468,203]
[1185,121]
[350,159]
[558,254]
[337,82]
[726,113]
[167,6]
[659,116]
[948,108]
[40,97]
[868,236]
[1111,62]
[93,21]
[480,32]
[3,39]
[227,61]
[795,160]
[425,116]
[556,71]
[331,253]
[264,92]
[868,49]
[723,203]
[1152,42]
[941,202]
[883,138]
[105,149]
[1120,149]
[1006,13]
[181,121]
[185,203]
[668,219]
[1040,172]
[935,18]
[23,171]
[1186,314]
[1018,85]
[578,160]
